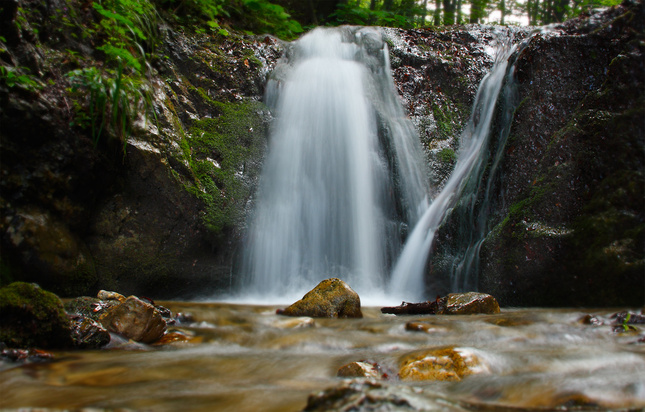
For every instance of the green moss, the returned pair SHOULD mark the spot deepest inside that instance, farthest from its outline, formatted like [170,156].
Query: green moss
[217,151]
[446,125]
[32,316]
[447,155]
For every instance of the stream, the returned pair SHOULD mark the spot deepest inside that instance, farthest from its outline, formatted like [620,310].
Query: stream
[247,358]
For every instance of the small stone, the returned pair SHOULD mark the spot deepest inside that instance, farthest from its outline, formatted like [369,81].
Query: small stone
[445,364]
[332,298]
[107,295]
[590,320]
[359,370]
[415,326]
[89,334]
[136,320]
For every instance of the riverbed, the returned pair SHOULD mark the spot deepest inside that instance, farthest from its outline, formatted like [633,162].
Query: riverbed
[247,358]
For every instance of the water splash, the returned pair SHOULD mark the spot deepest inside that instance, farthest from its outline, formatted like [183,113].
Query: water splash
[407,281]
[344,174]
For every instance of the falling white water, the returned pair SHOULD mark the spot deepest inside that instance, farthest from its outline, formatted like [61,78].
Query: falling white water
[407,281]
[344,175]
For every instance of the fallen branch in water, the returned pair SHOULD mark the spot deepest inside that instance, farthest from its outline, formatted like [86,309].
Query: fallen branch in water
[423,308]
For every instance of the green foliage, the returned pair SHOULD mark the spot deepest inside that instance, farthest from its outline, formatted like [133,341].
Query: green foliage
[108,100]
[130,29]
[19,77]
[261,16]
[357,15]
[195,10]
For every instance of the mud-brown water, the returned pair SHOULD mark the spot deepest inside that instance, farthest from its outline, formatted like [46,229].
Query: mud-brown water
[247,358]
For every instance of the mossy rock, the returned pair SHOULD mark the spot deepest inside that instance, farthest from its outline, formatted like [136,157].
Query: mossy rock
[33,317]
[332,298]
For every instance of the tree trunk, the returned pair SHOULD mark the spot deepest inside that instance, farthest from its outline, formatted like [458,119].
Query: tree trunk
[437,13]
[449,12]
[424,14]
[502,9]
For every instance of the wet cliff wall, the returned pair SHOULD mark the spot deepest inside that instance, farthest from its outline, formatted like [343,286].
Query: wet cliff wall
[161,211]
[566,226]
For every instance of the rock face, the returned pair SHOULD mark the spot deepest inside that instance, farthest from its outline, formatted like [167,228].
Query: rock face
[136,320]
[31,316]
[332,298]
[566,226]
[157,212]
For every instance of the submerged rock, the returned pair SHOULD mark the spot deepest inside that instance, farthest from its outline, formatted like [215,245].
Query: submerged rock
[445,364]
[136,320]
[332,298]
[360,369]
[31,316]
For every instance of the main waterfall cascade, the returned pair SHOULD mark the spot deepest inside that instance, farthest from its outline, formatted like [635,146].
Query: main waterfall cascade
[344,176]
[344,181]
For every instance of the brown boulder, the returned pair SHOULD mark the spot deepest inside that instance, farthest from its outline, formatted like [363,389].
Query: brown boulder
[332,298]
[136,320]
[470,303]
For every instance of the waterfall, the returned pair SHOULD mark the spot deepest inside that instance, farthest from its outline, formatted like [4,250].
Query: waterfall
[344,175]
[407,281]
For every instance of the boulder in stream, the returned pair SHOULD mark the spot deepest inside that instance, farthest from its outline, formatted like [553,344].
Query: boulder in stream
[32,316]
[332,298]
[136,320]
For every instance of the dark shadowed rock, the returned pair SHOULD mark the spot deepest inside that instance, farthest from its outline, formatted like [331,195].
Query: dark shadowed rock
[366,395]
[332,298]
[31,316]
[89,334]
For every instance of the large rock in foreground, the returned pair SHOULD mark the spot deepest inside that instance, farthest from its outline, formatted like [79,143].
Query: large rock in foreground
[332,298]
[31,316]
[444,364]
[136,320]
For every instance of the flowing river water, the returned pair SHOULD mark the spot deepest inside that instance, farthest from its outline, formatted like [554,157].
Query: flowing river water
[247,358]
